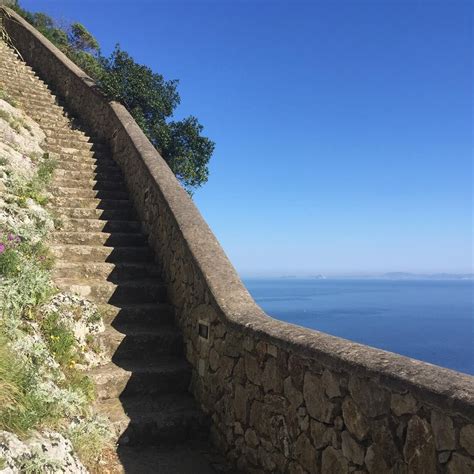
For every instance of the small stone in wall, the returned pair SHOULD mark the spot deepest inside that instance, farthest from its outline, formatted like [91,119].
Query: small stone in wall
[253,370]
[331,384]
[466,438]
[419,450]
[317,403]
[271,380]
[251,438]
[354,419]
[460,465]
[372,399]
[294,396]
[333,462]
[443,430]
[323,435]
[240,403]
[351,449]
[403,404]
[374,460]
[305,453]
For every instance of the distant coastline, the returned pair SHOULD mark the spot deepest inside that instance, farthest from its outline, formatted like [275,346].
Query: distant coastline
[376,276]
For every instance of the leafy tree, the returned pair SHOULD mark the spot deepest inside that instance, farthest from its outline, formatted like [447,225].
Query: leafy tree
[149,98]
[81,40]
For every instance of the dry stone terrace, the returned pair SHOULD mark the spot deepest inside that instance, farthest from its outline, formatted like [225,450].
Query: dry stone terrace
[192,356]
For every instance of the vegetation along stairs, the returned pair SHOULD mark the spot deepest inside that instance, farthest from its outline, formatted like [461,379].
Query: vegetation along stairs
[103,255]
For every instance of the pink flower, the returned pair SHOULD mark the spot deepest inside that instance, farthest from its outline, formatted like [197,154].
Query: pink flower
[11,237]
[2,248]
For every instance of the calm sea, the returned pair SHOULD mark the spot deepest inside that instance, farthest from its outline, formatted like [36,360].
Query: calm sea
[428,320]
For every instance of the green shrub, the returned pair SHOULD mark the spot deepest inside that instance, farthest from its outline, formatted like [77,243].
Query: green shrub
[7,98]
[90,437]
[60,339]
[21,409]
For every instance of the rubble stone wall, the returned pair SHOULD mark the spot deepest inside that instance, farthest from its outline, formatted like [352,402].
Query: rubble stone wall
[281,398]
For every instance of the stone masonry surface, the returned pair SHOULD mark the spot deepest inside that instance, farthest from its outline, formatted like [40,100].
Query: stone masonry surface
[280,398]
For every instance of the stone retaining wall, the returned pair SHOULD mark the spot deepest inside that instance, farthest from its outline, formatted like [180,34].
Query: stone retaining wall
[281,398]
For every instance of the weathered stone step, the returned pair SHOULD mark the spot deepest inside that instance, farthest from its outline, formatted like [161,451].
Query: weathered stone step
[20,80]
[24,97]
[47,110]
[89,175]
[65,213]
[158,376]
[59,140]
[67,134]
[191,457]
[100,225]
[105,270]
[98,158]
[90,203]
[98,167]
[98,253]
[115,239]
[77,155]
[90,183]
[127,291]
[138,342]
[154,420]
[61,191]
[42,106]
[152,314]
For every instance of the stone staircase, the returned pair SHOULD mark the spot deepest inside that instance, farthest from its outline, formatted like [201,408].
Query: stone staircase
[103,255]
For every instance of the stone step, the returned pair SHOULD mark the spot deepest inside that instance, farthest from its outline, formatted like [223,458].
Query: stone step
[157,420]
[65,213]
[67,156]
[70,165]
[95,159]
[66,143]
[162,375]
[98,253]
[68,134]
[61,191]
[138,342]
[191,457]
[105,270]
[89,203]
[98,185]
[115,239]
[126,291]
[87,175]
[100,225]
[152,314]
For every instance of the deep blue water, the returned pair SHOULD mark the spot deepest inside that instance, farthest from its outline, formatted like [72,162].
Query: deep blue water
[426,320]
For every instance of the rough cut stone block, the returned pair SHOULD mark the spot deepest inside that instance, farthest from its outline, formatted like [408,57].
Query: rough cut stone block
[443,430]
[317,403]
[354,419]
[305,453]
[403,404]
[466,438]
[419,450]
[331,384]
[322,434]
[460,465]
[294,396]
[371,399]
[333,462]
[351,449]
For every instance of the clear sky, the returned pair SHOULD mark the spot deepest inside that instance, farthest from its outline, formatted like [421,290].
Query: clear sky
[343,129]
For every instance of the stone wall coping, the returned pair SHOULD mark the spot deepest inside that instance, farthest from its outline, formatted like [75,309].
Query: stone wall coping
[443,388]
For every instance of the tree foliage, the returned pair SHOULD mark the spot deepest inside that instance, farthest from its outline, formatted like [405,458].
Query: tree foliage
[149,98]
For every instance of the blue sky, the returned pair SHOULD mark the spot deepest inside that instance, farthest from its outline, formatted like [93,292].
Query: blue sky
[343,129]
